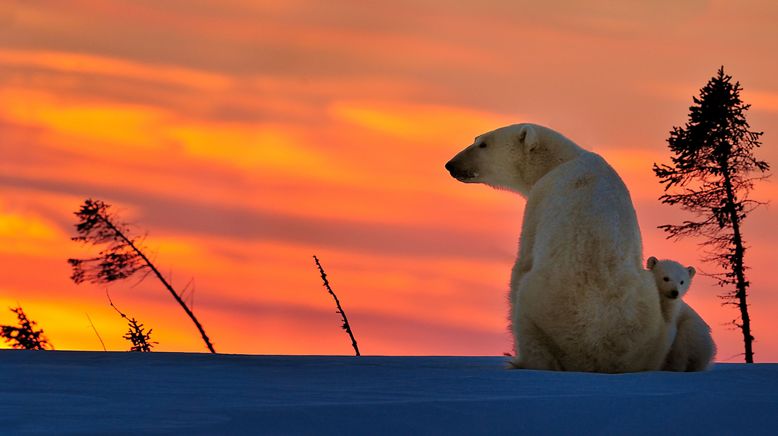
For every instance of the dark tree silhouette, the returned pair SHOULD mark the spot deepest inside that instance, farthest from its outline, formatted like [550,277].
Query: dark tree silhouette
[24,336]
[345,326]
[121,257]
[136,335]
[712,173]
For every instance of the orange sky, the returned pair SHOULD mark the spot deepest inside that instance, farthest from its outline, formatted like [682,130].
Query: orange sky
[245,137]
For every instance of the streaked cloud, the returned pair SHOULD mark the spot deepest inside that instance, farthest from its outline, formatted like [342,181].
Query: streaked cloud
[418,123]
[113,67]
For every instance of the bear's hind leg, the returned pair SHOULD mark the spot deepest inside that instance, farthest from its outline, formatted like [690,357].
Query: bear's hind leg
[534,349]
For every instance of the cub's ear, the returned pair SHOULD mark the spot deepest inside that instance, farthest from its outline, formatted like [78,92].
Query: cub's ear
[651,262]
[528,138]
[692,271]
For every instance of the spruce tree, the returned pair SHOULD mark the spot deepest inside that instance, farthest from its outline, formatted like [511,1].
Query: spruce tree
[712,173]
[25,336]
[137,335]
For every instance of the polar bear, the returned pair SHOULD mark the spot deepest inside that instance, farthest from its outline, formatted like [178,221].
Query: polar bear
[672,281]
[692,346]
[580,299]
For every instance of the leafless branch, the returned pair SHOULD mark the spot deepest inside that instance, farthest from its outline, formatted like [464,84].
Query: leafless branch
[345,326]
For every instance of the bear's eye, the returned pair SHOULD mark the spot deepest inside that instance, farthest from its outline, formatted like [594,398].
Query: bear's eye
[482,145]
[667,279]
[681,281]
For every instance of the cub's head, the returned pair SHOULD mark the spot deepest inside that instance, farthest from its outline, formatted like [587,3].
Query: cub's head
[511,157]
[672,278]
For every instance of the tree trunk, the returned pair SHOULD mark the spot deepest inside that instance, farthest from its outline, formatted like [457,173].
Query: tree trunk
[737,266]
[167,286]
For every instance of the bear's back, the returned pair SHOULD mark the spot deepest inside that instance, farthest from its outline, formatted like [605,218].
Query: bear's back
[587,216]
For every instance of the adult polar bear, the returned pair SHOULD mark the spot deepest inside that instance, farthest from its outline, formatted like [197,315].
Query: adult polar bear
[579,298]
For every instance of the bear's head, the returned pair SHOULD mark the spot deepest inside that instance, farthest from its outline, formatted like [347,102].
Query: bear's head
[672,278]
[512,157]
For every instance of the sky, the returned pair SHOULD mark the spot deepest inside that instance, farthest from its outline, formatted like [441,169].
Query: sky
[240,138]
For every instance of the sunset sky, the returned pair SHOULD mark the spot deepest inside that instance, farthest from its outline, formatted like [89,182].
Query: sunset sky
[243,137]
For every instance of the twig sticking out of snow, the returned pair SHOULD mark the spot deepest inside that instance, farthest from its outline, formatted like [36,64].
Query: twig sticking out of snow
[346,326]
[96,332]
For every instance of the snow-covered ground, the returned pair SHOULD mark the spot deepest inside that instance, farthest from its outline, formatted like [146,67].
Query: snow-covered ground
[131,393]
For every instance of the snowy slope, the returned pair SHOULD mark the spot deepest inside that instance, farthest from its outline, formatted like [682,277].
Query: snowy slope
[131,393]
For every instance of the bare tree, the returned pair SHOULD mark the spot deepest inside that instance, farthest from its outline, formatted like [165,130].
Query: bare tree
[25,336]
[345,326]
[712,173]
[120,259]
[139,338]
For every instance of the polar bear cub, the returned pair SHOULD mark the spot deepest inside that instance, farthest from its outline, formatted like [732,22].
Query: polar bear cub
[672,282]
[692,347]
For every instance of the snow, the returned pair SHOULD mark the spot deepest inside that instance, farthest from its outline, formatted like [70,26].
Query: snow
[129,393]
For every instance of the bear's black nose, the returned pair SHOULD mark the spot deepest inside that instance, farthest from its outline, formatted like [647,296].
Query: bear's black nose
[674,293]
[455,172]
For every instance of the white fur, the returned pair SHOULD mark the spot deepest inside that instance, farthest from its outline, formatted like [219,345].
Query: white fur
[692,347]
[580,299]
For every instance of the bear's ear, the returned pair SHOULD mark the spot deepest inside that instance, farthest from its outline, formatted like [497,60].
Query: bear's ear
[692,271]
[651,262]
[528,138]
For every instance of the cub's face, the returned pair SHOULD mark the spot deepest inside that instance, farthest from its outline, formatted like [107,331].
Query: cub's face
[672,278]
[498,158]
